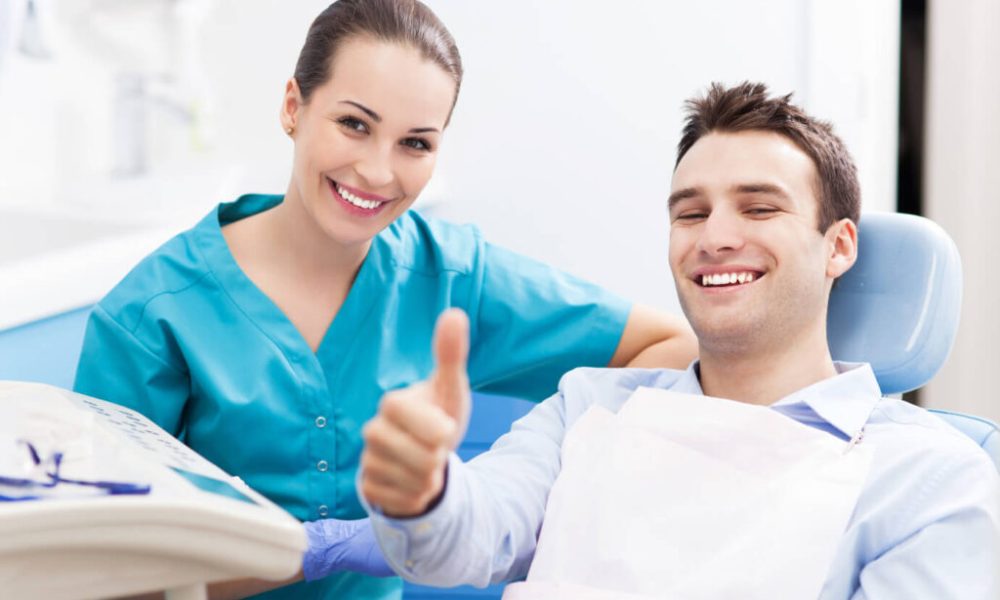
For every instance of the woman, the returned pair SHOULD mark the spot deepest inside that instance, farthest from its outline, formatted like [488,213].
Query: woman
[265,336]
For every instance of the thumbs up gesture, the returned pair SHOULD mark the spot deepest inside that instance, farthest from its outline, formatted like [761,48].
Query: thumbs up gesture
[408,441]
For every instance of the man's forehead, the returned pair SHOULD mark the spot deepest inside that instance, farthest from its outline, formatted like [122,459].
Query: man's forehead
[721,161]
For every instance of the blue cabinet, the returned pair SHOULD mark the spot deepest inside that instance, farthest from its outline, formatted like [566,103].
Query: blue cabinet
[44,351]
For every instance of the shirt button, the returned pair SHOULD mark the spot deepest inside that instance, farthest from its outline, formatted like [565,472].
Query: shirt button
[322,466]
[409,564]
[321,422]
[323,510]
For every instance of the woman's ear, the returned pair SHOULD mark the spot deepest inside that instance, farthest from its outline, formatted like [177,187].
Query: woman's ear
[291,105]
[842,237]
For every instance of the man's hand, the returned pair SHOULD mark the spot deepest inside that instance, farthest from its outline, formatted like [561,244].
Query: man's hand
[408,441]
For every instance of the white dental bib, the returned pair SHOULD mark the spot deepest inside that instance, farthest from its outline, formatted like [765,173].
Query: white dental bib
[693,498]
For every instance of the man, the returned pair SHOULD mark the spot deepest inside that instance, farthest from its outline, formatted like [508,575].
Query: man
[804,482]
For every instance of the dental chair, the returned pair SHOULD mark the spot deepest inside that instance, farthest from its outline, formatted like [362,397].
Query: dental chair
[898,309]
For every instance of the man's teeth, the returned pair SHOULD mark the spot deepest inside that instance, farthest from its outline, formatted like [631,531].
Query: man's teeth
[359,202]
[727,278]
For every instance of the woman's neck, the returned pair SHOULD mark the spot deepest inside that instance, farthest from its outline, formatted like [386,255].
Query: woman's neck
[300,245]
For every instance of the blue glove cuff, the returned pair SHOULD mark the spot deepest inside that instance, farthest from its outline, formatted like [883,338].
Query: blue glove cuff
[336,545]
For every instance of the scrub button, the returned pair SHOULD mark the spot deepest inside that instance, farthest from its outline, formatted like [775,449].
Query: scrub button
[322,466]
[321,422]
[323,510]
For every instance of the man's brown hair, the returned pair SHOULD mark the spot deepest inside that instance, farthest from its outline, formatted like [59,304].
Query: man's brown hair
[747,107]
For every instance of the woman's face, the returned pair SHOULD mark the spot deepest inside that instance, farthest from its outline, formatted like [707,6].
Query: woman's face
[367,141]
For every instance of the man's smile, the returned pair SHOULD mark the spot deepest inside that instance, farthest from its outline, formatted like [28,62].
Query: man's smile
[725,276]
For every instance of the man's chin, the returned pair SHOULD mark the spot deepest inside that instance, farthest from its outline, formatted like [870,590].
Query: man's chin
[727,337]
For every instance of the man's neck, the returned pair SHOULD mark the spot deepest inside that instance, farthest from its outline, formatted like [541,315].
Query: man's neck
[764,376]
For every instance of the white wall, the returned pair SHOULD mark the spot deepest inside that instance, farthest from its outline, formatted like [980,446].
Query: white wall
[963,187]
[563,140]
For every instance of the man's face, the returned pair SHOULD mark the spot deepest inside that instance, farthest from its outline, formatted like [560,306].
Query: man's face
[751,268]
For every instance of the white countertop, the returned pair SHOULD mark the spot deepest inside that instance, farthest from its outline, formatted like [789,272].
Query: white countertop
[69,277]
[67,251]
[53,261]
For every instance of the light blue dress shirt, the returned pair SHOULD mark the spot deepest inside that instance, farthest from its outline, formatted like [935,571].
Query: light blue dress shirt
[189,341]
[926,525]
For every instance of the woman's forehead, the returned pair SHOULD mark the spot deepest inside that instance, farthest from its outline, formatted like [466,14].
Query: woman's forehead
[394,80]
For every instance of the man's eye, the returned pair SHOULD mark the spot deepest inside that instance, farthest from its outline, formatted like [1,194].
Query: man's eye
[761,211]
[691,216]
[417,144]
[353,124]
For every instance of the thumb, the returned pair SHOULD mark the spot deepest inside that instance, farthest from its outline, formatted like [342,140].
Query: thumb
[449,382]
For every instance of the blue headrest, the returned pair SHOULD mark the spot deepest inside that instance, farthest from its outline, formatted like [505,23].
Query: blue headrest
[898,307]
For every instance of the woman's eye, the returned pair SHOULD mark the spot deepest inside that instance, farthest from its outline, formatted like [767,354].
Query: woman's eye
[417,144]
[353,124]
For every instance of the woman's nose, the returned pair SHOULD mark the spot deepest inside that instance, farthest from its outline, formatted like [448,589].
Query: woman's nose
[375,167]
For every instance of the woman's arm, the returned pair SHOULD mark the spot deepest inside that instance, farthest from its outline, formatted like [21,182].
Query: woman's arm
[654,339]
[231,590]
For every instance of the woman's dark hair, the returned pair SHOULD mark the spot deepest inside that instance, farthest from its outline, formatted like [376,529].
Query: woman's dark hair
[749,107]
[406,22]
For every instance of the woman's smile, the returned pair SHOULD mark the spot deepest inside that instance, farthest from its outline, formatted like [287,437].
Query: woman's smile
[357,201]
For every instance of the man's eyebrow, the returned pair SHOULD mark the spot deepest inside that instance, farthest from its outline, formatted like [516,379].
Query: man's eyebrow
[378,118]
[371,113]
[761,188]
[683,194]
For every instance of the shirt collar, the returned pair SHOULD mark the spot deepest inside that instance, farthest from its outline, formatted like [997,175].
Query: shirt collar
[845,400]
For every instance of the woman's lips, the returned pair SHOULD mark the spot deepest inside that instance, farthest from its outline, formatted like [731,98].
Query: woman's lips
[357,201]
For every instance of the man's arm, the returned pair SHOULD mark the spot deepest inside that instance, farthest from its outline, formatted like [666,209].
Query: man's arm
[950,545]
[440,521]
[653,339]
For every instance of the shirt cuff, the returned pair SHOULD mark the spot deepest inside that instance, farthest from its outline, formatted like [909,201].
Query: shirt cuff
[408,543]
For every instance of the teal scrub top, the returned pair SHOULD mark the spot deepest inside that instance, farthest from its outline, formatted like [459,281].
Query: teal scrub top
[188,340]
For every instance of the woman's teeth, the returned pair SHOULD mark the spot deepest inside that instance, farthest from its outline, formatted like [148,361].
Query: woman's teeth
[359,202]
[726,278]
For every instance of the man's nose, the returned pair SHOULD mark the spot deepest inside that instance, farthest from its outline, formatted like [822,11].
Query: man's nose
[722,232]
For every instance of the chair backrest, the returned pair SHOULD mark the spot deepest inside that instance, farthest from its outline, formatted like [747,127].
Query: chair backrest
[898,309]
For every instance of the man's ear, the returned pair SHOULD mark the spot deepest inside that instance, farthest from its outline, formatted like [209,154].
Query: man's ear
[842,238]
[291,104]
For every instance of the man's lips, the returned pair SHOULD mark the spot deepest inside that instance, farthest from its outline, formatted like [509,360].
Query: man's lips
[726,275]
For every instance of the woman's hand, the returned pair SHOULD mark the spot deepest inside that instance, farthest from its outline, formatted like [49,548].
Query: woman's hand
[336,545]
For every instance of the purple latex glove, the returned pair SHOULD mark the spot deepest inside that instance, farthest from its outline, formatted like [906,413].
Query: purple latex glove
[336,545]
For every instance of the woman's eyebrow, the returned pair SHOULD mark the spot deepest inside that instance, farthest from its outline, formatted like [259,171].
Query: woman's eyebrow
[378,118]
[371,113]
